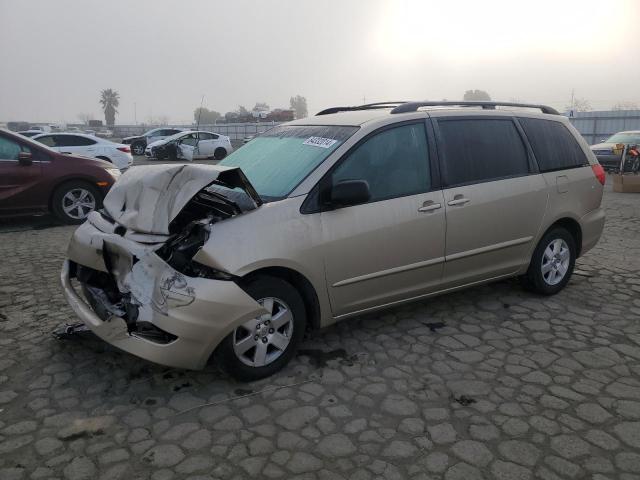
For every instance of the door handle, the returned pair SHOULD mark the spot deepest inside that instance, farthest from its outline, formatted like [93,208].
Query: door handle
[458,201]
[430,207]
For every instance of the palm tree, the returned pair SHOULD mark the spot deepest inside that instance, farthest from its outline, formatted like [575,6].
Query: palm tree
[109,99]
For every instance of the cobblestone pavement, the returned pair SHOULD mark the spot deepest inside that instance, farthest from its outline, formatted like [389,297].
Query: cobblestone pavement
[492,382]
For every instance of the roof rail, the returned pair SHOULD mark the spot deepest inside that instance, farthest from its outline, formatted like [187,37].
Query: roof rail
[414,106]
[368,106]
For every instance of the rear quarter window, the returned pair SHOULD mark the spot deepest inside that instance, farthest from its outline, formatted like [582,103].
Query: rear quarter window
[554,146]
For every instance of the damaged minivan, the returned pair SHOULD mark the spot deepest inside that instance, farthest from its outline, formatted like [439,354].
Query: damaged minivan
[350,211]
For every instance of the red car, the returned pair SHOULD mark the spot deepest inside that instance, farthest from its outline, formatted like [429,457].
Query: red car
[36,179]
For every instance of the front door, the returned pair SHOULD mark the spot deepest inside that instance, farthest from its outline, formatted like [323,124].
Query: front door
[18,180]
[494,199]
[391,248]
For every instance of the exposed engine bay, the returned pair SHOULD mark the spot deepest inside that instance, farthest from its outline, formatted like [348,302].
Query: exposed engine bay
[134,258]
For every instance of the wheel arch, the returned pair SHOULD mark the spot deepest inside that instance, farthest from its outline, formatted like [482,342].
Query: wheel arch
[573,227]
[300,283]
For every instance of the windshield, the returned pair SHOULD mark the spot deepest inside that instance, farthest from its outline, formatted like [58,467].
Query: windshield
[278,160]
[175,136]
[628,138]
[151,133]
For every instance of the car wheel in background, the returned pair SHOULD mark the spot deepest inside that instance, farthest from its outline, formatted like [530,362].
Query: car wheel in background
[261,346]
[552,262]
[219,153]
[105,159]
[73,201]
[137,148]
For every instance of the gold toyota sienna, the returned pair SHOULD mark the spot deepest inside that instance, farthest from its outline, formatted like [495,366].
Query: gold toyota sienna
[320,219]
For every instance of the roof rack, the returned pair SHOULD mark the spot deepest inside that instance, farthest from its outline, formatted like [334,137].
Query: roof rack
[414,106]
[367,106]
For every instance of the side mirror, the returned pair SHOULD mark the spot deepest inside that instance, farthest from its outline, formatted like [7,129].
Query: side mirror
[349,192]
[24,158]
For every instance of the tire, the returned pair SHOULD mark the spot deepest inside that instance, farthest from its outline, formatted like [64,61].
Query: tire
[219,153]
[287,306]
[550,269]
[137,148]
[75,191]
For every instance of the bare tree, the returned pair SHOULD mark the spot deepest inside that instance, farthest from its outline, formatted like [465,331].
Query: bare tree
[579,105]
[476,95]
[626,105]
[299,105]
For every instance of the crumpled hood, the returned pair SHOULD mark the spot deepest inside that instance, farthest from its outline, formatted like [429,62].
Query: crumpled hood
[146,199]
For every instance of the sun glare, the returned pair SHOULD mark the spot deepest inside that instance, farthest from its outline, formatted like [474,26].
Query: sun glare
[464,31]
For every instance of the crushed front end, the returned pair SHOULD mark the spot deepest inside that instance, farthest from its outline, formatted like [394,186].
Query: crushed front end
[130,274]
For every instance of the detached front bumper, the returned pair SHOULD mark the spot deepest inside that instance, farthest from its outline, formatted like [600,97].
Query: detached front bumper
[194,314]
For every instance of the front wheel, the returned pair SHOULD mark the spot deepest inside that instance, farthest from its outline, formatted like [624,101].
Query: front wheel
[263,345]
[552,262]
[72,202]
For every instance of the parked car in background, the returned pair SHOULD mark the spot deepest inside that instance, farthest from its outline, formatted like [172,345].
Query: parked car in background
[190,145]
[30,133]
[604,151]
[35,179]
[88,146]
[139,143]
[321,219]
[104,133]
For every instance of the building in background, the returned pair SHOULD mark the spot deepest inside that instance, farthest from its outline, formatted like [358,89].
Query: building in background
[597,126]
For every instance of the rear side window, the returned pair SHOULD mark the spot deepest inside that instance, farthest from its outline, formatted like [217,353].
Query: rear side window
[73,141]
[481,150]
[553,145]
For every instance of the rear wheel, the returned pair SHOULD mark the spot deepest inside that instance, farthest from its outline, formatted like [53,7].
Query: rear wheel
[219,153]
[138,148]
[263,345]
[552,262]
[73,201]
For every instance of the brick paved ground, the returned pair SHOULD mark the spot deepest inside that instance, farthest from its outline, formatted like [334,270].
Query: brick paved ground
[513,386]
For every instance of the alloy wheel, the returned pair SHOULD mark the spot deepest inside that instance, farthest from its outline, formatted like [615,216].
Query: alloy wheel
[555,261]
[262,340]
[78,203]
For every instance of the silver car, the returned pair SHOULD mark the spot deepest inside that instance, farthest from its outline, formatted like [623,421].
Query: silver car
[351,211]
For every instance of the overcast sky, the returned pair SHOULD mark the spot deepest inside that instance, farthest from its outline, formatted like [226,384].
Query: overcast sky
[163,56]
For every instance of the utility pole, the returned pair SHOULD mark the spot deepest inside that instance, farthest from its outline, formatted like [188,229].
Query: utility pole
[364,100]
[572,98]
[135,114]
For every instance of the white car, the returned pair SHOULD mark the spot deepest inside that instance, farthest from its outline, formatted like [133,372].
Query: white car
[139,143]
[88,146]
[194,144]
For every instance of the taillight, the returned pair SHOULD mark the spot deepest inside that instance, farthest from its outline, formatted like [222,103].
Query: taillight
[598,171]
[125,149]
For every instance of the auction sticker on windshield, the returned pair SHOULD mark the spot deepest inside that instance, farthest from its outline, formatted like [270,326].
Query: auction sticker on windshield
[319,142]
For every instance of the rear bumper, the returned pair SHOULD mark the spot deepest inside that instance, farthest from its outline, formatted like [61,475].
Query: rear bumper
[592,225]
[197,313]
